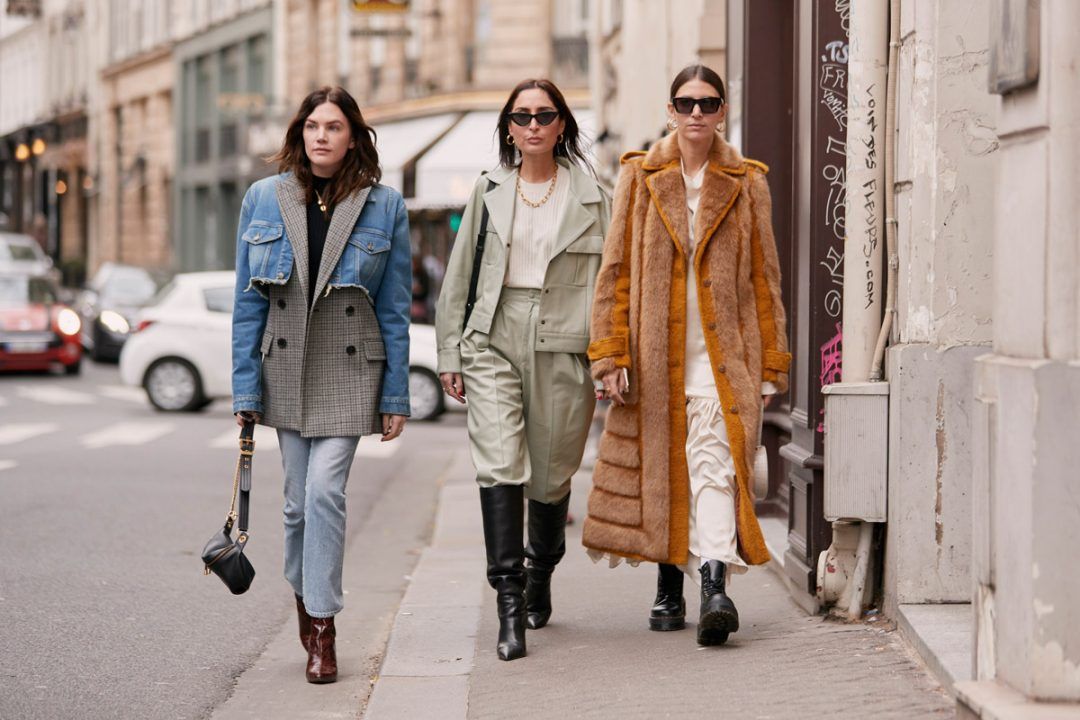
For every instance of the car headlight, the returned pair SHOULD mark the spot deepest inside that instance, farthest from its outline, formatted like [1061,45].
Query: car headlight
[67,321]
[115,322]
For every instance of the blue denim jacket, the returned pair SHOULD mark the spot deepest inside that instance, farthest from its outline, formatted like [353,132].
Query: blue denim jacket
[264,256]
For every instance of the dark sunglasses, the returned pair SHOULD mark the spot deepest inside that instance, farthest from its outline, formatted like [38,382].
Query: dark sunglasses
[523,118]
[685,105]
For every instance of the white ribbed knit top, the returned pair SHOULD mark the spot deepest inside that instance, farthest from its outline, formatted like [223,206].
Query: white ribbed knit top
[532,239]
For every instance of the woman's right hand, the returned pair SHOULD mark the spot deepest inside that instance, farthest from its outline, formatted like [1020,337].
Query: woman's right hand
[453,385]
[248,416]
[615,385]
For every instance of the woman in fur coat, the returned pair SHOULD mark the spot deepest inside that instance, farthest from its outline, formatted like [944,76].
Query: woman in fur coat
[689,341]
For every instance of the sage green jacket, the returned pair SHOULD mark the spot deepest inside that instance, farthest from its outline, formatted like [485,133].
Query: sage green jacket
[567,297]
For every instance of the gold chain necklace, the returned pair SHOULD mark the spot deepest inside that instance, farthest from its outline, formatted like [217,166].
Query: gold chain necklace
[551,188]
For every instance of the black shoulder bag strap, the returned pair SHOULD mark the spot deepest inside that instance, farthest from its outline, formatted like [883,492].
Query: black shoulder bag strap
[481,238]
[243,483]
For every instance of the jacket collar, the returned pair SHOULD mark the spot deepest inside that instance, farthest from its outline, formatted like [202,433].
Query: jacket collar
[294,213]
[576,218]
[719,190]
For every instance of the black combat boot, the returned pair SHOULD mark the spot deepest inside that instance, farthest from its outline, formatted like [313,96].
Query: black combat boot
[718,614]
[669,608]
[547,545]
[503,510]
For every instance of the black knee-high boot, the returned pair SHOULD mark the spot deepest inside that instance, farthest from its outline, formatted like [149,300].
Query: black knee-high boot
[503,511]
[669,608]
[547,545]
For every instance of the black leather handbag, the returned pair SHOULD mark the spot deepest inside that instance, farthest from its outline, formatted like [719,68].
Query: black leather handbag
[222,555]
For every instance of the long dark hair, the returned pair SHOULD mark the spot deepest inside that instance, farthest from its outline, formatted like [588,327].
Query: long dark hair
[569,148]
[698,72]
[361,165]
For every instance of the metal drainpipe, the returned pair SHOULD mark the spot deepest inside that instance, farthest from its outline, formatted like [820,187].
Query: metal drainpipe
[871,73]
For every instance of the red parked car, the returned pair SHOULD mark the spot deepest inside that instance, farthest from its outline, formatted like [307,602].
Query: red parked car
[37,331]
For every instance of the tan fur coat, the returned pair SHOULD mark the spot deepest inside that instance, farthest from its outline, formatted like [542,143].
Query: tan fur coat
[639,505]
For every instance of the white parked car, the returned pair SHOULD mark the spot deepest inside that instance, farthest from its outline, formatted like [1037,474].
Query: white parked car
[22,254]
[181,349]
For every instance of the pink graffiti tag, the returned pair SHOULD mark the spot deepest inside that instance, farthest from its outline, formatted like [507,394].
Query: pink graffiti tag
[831,364]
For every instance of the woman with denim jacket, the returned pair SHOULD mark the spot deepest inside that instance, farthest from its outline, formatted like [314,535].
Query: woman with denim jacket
[520,349]
[321,336]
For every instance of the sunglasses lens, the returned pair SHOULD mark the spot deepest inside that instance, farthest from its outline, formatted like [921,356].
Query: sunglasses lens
[547,117]
[520,118]
[709,105]
[683,106]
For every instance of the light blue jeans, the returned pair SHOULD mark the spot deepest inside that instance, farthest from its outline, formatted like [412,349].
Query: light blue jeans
[316,472]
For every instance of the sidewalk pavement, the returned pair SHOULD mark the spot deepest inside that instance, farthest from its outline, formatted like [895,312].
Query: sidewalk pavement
[597,658]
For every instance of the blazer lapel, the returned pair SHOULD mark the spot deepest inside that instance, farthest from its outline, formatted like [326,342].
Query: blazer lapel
[576,217]
[341,225]
[669,196]
[718,193]
[500,204]
[293,211]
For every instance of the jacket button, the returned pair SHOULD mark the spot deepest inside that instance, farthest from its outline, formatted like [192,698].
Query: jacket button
[707,282]
[712,326]
[734,410]
[547,291]
[351,350]
[722,369]
[543,322]
[258,235]
[281,342]
[281,304]
[350,310]
[280,275]
[541,339]
[371,246]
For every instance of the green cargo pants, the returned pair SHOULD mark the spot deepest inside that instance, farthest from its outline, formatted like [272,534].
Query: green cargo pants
[529,411]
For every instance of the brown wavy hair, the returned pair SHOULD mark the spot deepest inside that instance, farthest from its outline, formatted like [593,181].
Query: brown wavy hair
[358,170]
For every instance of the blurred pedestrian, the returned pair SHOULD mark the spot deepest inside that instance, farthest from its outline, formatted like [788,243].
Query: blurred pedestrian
[321,336]
[688,340]
[421,289]
[520,352]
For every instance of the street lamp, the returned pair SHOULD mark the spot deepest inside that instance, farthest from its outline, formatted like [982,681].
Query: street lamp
[22,152]
[38,146]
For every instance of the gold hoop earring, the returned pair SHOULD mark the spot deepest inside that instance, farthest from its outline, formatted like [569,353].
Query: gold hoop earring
[560,140]
[673,124]
[509,139]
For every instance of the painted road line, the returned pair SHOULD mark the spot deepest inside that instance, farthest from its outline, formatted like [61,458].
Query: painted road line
[129,433]
[56,395]
[124,392]
[265,438]
[11,434]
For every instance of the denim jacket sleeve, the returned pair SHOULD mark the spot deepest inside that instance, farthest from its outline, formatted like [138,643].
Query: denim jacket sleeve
[392,309]
[250,310]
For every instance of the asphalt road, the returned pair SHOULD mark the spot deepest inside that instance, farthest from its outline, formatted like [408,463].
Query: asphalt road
[105,505]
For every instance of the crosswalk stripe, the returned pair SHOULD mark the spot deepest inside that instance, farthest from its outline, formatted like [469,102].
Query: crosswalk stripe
[56,395]
[265,439]
[11,434]
[130,433]
[123,392]
[7,464]
[372,446]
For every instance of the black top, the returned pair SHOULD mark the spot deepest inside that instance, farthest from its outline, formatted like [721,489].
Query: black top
[317,226]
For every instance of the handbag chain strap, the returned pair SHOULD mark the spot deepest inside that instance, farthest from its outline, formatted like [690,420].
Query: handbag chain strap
[242,481]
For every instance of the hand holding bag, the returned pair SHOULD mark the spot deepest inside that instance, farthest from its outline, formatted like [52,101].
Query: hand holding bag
[222,555]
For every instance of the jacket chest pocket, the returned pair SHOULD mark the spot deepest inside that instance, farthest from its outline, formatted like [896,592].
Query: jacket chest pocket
[270,256]
[584,256]
[363,260]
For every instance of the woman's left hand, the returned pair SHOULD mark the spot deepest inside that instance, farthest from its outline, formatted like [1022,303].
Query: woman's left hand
[392,425]
[766,401]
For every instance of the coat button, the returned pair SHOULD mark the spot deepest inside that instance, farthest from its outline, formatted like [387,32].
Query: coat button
[722,369]
[351,350]
[707,282]
[547,291]
[281,342]
[350,310]
[712,326]
[734,410]
[541,339]
[543,322]
[281,304]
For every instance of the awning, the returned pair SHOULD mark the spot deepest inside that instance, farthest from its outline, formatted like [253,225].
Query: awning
[446,173]
[401,141]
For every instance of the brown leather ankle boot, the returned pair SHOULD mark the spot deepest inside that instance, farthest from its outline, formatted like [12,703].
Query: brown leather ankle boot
[304,621]
[322,656]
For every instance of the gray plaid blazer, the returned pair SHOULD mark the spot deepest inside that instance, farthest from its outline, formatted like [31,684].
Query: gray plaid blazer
[322,369]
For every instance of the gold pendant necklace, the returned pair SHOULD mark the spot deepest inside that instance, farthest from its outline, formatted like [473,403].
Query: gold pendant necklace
[547,195]
[322,203]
